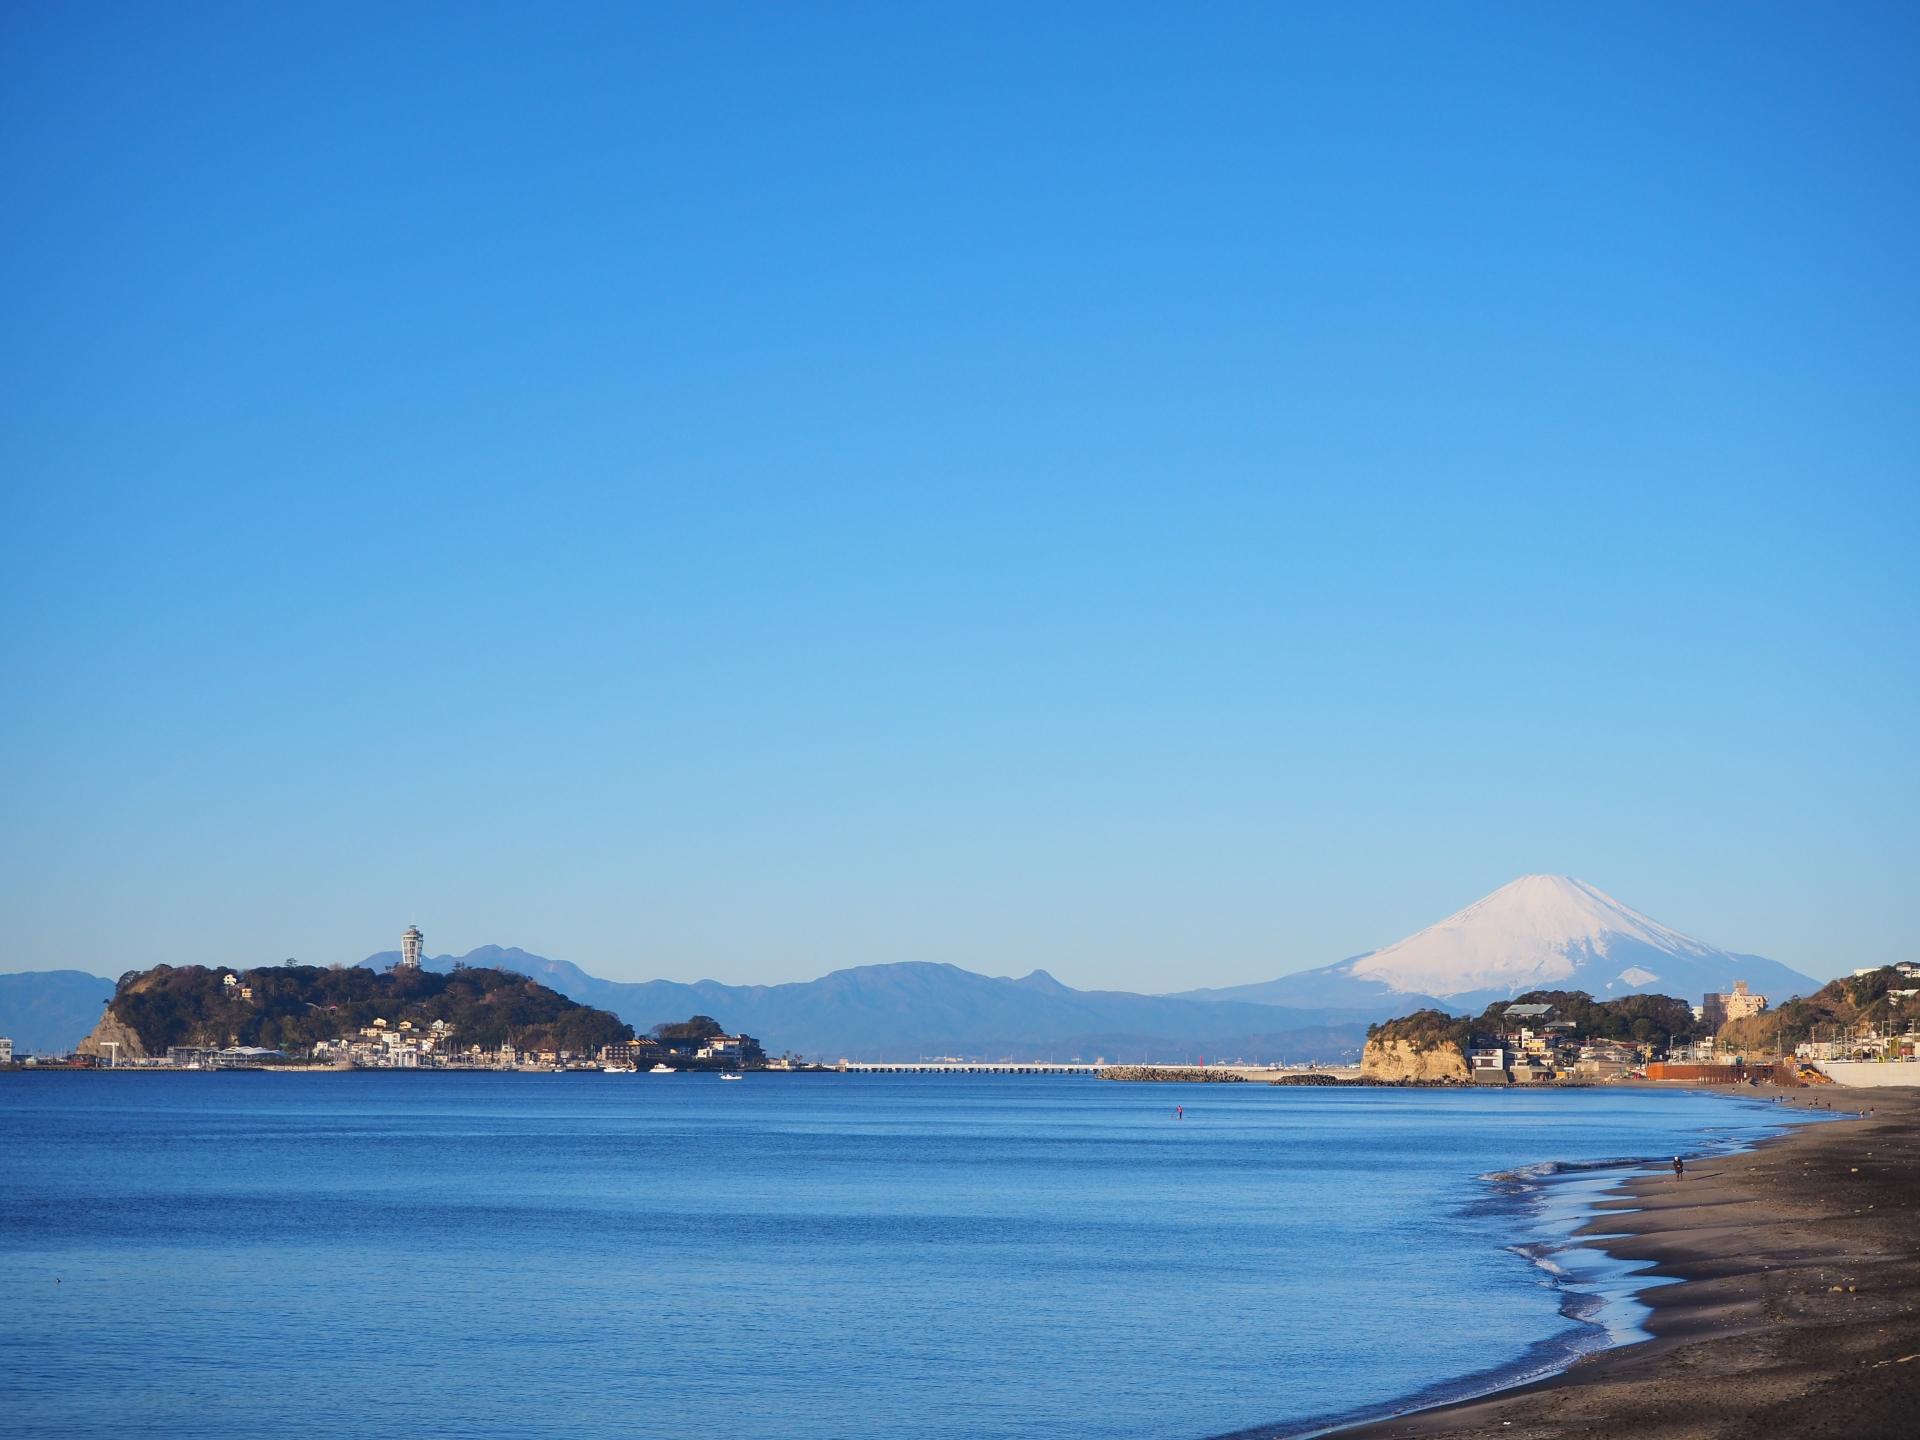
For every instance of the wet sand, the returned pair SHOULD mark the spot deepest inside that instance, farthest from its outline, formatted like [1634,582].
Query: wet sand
[1798,1308]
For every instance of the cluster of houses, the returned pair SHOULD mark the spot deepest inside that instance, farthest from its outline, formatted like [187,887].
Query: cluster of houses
[381,1046]
[1532,1047]
[719,1052]
[1886,1043]
[403,1046]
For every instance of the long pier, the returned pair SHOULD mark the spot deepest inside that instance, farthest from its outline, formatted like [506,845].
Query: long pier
[968,1067]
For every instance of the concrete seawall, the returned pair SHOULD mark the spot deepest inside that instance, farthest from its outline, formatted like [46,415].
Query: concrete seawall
[1872,1074]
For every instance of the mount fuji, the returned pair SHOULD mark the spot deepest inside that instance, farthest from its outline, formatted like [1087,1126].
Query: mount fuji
[1540,932]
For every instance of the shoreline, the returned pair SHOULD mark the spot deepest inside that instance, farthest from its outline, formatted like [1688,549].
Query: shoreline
[1781,1284]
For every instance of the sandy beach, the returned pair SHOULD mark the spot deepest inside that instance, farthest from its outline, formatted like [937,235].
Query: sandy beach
[1797,1311]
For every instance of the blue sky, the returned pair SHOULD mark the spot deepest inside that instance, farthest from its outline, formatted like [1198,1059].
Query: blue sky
[1168,494]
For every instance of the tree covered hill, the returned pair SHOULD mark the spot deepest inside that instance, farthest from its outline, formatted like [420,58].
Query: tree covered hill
[1658,1020]
[292,1006]
[1840,1007]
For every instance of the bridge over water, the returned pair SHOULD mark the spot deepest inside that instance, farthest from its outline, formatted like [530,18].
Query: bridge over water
[968,1067]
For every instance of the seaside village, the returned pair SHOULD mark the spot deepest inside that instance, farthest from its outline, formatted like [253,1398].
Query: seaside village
[389,1046]
[1534,1045]
[381,1046]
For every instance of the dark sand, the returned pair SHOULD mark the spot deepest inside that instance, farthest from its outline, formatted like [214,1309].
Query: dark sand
[1798,1311]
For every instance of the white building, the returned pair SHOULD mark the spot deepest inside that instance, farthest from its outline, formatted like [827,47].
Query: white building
[6,1051]
[410,948]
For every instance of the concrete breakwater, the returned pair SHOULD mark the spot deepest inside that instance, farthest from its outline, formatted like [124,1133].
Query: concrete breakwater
[1190,1073]
[1369,1082]
[1194,1074]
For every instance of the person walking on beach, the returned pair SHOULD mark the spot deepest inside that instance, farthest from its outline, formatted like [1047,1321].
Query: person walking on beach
[1679,1166]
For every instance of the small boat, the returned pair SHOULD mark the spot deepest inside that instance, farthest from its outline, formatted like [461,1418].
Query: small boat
[725,1076]
[662,1070]
[616,1069]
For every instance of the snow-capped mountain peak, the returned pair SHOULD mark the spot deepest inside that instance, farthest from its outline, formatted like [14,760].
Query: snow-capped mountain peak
[1556,932]
[1540,932]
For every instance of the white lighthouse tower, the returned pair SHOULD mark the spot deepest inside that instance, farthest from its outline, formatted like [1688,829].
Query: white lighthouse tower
[410,948]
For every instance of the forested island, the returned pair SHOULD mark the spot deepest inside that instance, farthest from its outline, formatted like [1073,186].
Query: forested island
[291,1009]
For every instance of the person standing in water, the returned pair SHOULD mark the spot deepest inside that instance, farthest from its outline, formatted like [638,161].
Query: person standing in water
[1179,1112]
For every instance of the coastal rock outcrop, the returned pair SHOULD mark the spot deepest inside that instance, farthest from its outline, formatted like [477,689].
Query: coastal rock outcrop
[1387,1058]
[113,1038]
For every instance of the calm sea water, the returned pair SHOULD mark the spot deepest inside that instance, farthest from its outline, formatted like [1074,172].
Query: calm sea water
[810,1257]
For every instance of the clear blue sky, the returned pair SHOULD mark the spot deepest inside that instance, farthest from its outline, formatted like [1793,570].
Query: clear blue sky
[1169,494]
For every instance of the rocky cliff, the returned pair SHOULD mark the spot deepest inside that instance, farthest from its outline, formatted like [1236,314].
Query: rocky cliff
[113,1032]
[1386,1058]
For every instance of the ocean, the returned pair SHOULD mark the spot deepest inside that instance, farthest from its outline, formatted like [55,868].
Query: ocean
[813,1257]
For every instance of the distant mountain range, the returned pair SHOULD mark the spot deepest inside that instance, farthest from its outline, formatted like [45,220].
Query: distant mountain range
[1539,932]
[45,1012]
[912,1010]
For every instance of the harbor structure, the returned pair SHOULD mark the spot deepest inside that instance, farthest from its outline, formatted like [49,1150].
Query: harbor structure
[410,943]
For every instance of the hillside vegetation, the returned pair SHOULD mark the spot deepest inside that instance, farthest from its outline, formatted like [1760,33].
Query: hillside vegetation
[292,1006]
[1648,1019]
[1847,1005]
[1424,1030]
